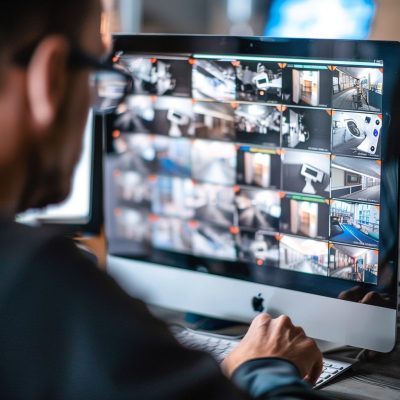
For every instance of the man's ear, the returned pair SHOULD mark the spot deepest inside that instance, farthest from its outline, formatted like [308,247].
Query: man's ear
[47,77]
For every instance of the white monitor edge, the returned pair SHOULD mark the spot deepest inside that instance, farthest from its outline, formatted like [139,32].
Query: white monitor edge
[323,318]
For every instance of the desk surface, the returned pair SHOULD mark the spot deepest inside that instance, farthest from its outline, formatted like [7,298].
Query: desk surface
[372,378]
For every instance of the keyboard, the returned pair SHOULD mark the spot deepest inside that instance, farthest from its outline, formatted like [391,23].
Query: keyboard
[220,346]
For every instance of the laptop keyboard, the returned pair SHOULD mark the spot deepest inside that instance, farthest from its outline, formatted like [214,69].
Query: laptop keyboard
[219,346]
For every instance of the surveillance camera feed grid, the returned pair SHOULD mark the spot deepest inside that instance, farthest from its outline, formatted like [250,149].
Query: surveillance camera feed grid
[181,188]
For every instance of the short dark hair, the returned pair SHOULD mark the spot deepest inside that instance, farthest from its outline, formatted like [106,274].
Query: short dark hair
[28,21]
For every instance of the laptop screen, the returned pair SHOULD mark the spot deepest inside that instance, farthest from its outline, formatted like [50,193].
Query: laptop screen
[268,166]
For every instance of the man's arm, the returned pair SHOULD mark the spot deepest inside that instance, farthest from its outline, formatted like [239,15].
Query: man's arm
[69,331]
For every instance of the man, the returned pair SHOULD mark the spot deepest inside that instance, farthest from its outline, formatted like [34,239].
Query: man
[67,330]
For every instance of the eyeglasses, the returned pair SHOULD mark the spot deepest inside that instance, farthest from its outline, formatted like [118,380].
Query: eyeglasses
[109,85]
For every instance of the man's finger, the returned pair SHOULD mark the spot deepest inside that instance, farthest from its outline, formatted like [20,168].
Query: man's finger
[314,373]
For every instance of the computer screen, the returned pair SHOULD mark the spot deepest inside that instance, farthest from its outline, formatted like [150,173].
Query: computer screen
[81,210]
[335,19]
[264,162]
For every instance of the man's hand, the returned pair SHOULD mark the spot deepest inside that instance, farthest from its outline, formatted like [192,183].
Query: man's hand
[279,338]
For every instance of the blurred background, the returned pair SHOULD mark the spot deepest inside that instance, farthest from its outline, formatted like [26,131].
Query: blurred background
[347,19]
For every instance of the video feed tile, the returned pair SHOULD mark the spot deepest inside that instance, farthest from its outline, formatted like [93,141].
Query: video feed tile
[307,87]
[214,80]
[137,114]
[306,129]
[171,234]
[212,241]
[132,188]
[157,115]
[304,217]
[259,81]
[160,77]
[356,179]
[148,155]
[306,173]
[356,134]
[214,121]
[214,162]
[213,204]
[170,197]
[303,255]
[355,223]
[357,89]
[353,264]
[258,247]
[258,124]
[259,167]
[259,209]
[132,224]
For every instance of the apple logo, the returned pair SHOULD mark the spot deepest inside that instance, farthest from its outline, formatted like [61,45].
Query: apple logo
[257,303]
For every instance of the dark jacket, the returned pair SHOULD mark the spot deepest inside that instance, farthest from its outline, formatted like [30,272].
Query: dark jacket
[69,332]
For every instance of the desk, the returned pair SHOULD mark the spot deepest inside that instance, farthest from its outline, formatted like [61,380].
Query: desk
[376,378]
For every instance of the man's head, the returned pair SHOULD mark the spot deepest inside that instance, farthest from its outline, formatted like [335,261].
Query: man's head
[44,100]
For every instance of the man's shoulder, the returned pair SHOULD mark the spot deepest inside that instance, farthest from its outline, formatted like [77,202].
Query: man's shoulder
[26,238]
[20,244]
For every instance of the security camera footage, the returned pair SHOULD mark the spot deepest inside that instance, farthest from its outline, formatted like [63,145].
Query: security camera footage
[306,129]
[258,124]
[159,76]
[356,134]
[307,173]
[353,263]
[259,82]
[304,217]
[214,80]
[303,86]
[356,179]
[162,115]
[275,165]
[357,89]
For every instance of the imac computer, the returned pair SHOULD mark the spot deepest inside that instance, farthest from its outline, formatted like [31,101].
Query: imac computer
[82,211]
[211,209]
